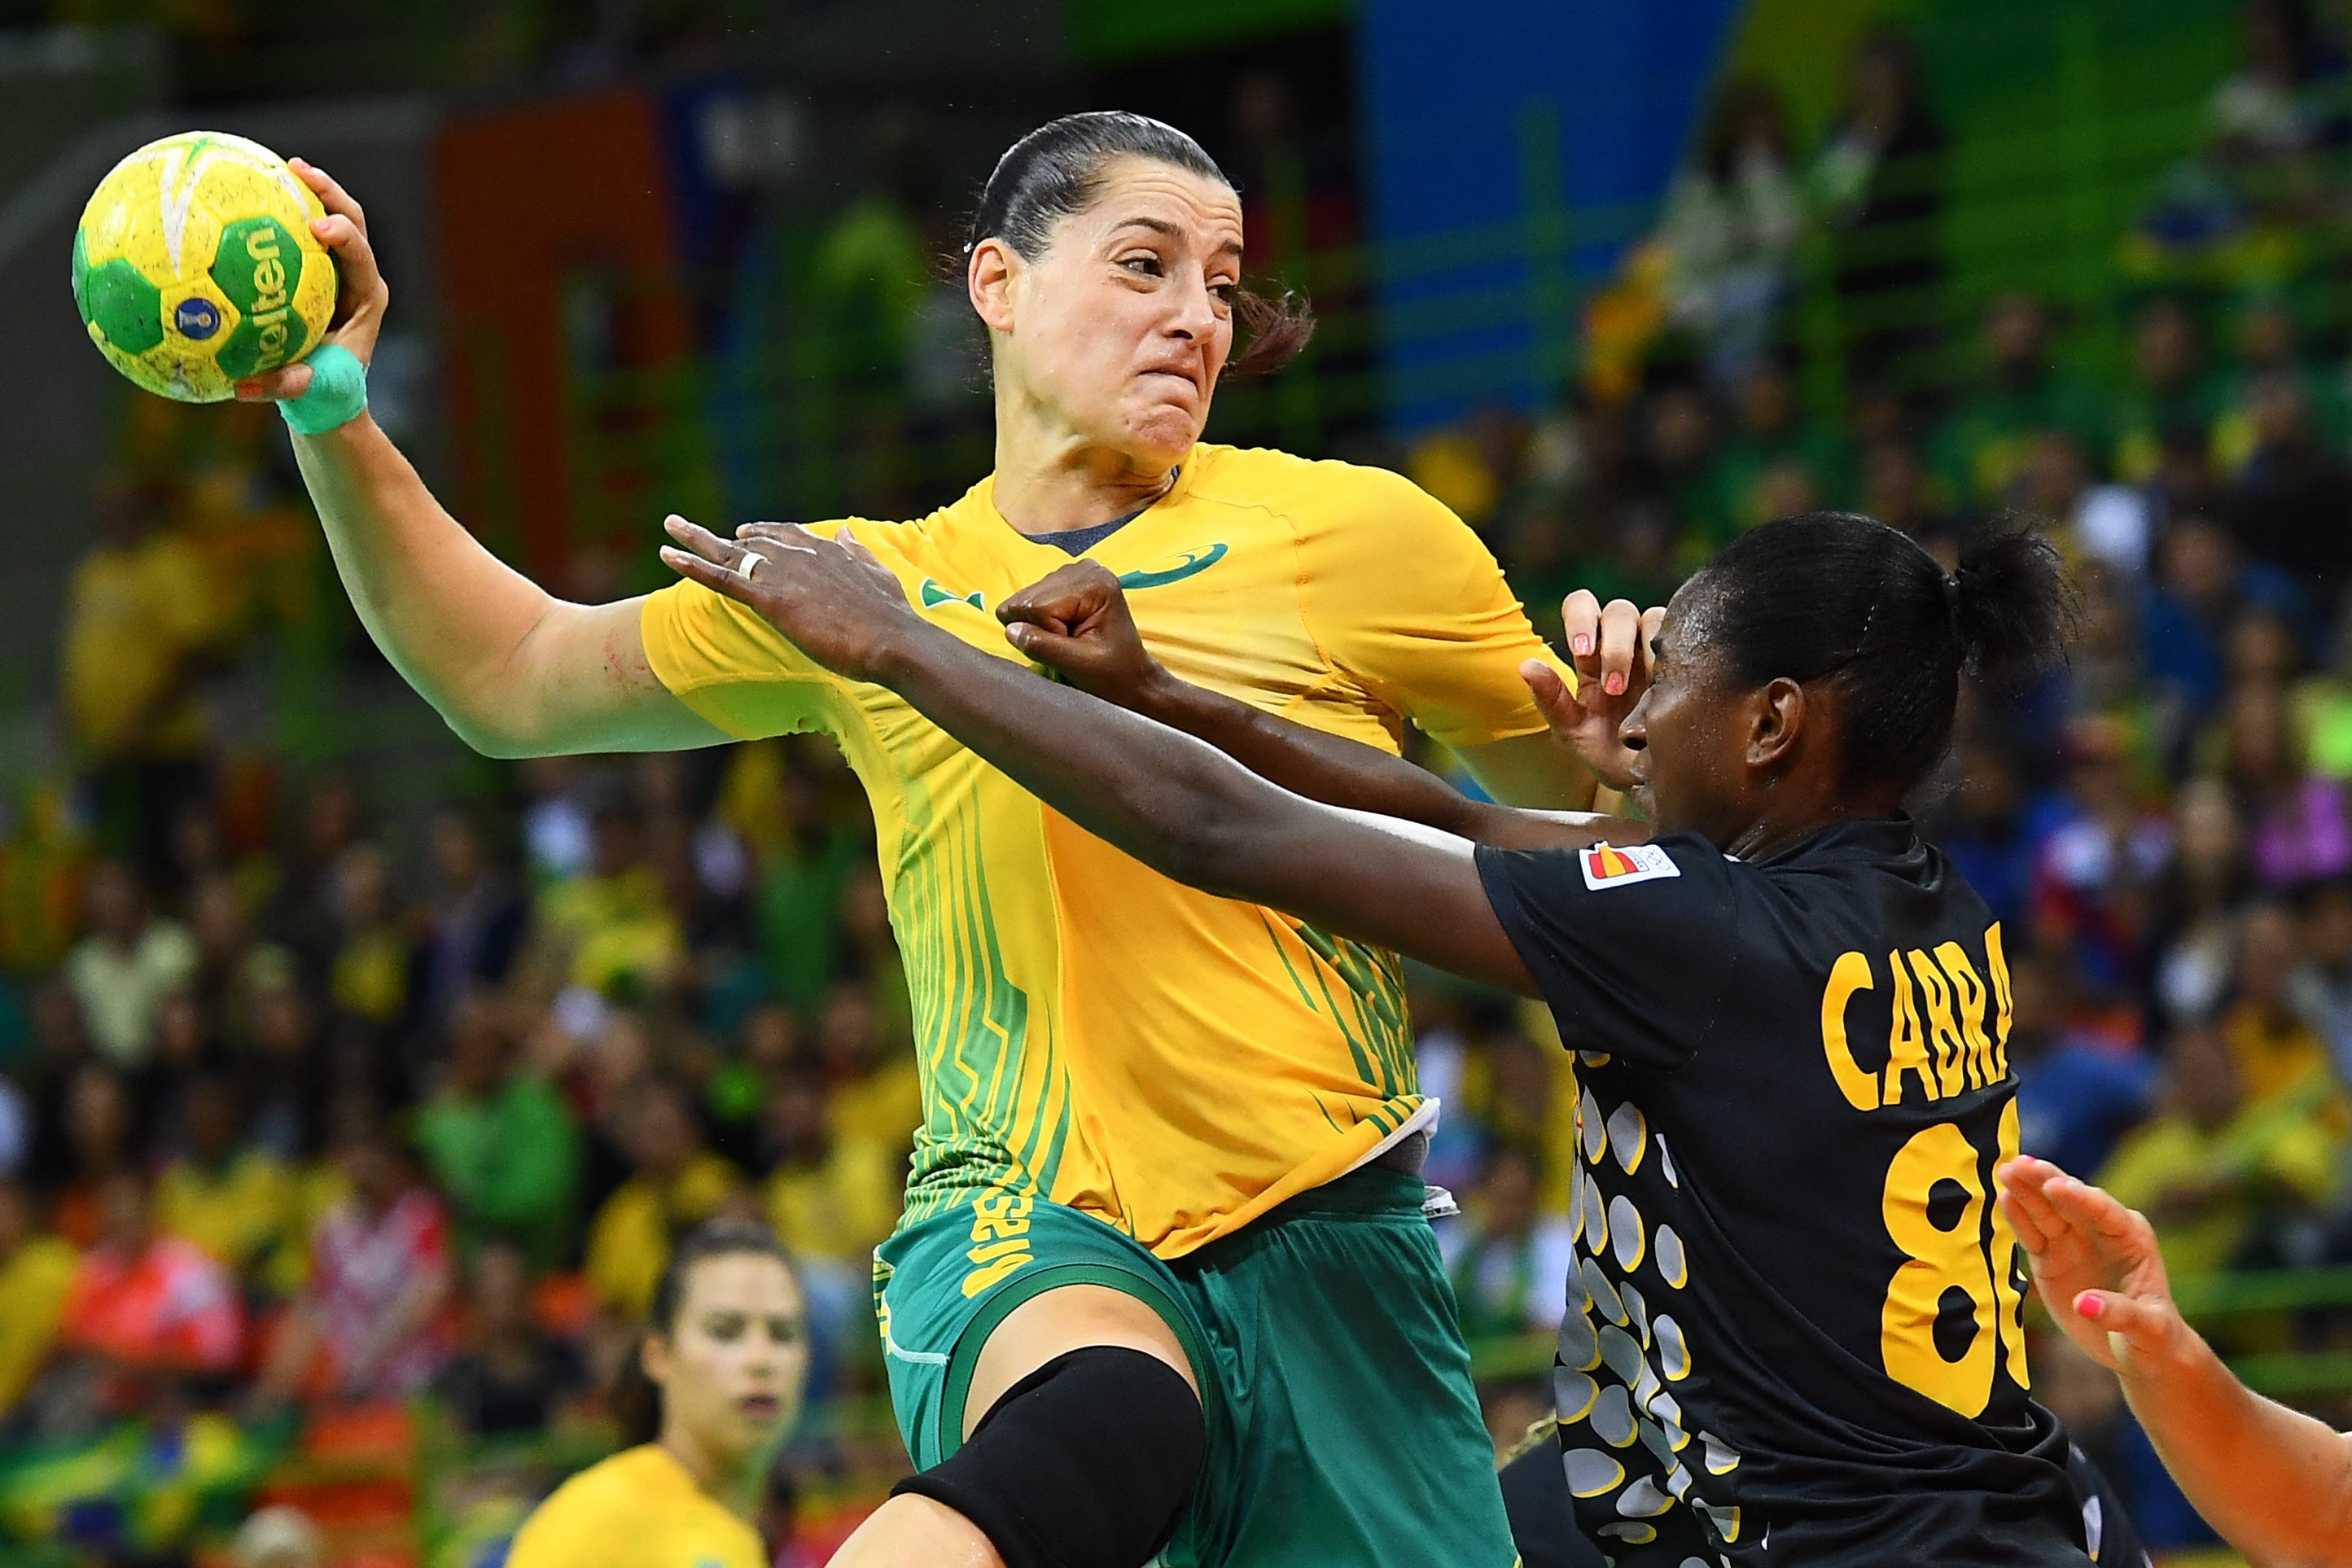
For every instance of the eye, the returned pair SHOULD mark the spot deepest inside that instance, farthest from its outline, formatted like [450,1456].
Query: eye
[1143,265]
[725,1327]
[785,1330]
[1225,291]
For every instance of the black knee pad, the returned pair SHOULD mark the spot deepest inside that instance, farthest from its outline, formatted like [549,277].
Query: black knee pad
[1087,1462]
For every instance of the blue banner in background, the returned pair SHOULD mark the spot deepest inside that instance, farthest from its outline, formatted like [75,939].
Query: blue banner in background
[1516,148]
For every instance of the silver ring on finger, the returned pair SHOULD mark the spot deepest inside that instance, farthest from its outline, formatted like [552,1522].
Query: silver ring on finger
[749,565]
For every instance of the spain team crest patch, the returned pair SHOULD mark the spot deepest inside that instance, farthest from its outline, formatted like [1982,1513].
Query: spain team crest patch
[1608,866]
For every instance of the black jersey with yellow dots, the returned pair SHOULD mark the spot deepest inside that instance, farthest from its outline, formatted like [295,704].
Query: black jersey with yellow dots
[1795,1333]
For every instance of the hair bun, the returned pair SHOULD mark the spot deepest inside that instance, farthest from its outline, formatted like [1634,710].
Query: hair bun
[2012,604]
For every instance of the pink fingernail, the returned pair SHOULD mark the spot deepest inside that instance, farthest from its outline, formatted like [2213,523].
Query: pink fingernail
[2090,1306]
[1582,646]
[1615,685]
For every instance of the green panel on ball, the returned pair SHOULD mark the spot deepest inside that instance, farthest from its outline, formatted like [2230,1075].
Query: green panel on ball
[123,305]
[259,265]
[82,277]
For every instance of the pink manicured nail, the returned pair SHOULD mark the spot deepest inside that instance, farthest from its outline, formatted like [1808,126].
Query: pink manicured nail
[1583,646]
[2089,1306]
[1615,685]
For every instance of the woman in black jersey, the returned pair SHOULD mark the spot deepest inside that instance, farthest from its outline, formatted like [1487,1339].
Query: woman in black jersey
[1795,1326]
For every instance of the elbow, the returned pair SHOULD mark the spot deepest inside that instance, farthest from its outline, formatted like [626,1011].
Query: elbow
[1210,847]
[485,733]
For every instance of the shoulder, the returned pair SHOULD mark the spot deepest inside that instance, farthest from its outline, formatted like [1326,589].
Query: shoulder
[1317,492]
[601,1503]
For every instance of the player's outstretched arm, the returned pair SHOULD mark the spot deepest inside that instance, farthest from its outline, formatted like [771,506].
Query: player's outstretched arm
[2274,1482]
[1075,621]
[515,670]
[1175,803]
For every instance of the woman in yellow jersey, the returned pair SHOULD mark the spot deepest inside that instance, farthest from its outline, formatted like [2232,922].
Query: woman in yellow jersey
[1163,1286]
[723,1364]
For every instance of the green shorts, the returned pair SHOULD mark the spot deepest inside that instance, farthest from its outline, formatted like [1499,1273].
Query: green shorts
[1343,1430]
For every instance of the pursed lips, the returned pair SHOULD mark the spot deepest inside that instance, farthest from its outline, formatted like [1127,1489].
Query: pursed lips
[1175,373]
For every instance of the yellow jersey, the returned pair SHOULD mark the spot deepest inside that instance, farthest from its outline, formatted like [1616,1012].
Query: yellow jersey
[638,1509]
[1089,1031]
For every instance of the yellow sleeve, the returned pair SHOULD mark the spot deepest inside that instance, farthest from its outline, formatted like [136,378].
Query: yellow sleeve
[1410,604]
[733,667]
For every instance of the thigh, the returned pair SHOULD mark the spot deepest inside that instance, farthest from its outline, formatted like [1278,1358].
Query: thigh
[1058,1320]
[1356,1434]
[964,1313]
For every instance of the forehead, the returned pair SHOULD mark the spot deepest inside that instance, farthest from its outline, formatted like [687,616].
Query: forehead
[749,1282]
[1204,212]
[1681,624]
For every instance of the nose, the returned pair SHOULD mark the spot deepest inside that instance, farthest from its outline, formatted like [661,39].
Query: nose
[1633,731]
[1195,314]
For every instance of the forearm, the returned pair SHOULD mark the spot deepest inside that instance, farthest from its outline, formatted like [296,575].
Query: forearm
[513,669]
[1196,815]
[1343,773]
[1161,796]
[1539,771]
[446,612]
[2276,1483]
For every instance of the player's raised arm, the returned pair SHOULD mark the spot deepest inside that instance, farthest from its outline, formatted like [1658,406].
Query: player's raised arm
[1075,621]
[515,670]
[2276,1483]
[1177,804]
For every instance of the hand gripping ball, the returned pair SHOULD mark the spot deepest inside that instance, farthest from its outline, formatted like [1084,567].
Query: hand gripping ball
[194,266]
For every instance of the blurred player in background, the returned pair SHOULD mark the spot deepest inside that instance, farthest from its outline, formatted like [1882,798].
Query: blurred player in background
[1796,1328]
[1163,1277]
[716,1385]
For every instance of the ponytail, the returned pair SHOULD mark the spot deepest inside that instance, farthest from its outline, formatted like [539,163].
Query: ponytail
[2012,605]
[1278,331]
[633,1402]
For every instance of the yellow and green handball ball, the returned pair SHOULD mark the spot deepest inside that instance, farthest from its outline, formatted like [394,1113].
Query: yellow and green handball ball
[194,266]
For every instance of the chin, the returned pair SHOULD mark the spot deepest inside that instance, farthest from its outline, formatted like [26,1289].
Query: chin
[1163,433]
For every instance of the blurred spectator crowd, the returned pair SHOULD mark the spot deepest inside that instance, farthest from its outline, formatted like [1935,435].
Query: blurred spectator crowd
[309,1104]
[313,1096]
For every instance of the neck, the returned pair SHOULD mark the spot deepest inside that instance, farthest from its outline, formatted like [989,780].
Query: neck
[732,1478]
[1050,479]
[1773,832]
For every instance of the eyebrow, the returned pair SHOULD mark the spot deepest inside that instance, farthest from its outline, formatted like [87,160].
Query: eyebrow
[1162,227]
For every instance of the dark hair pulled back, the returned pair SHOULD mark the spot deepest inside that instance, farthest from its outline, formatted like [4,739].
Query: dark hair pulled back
[1058,170]
[1836,597]
[636,1400]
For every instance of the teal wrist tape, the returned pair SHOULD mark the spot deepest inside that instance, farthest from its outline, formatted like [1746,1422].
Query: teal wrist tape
[336,393]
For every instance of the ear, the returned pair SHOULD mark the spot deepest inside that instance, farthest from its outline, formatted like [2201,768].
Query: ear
[1777,724]
[988,278]
[653,1356]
